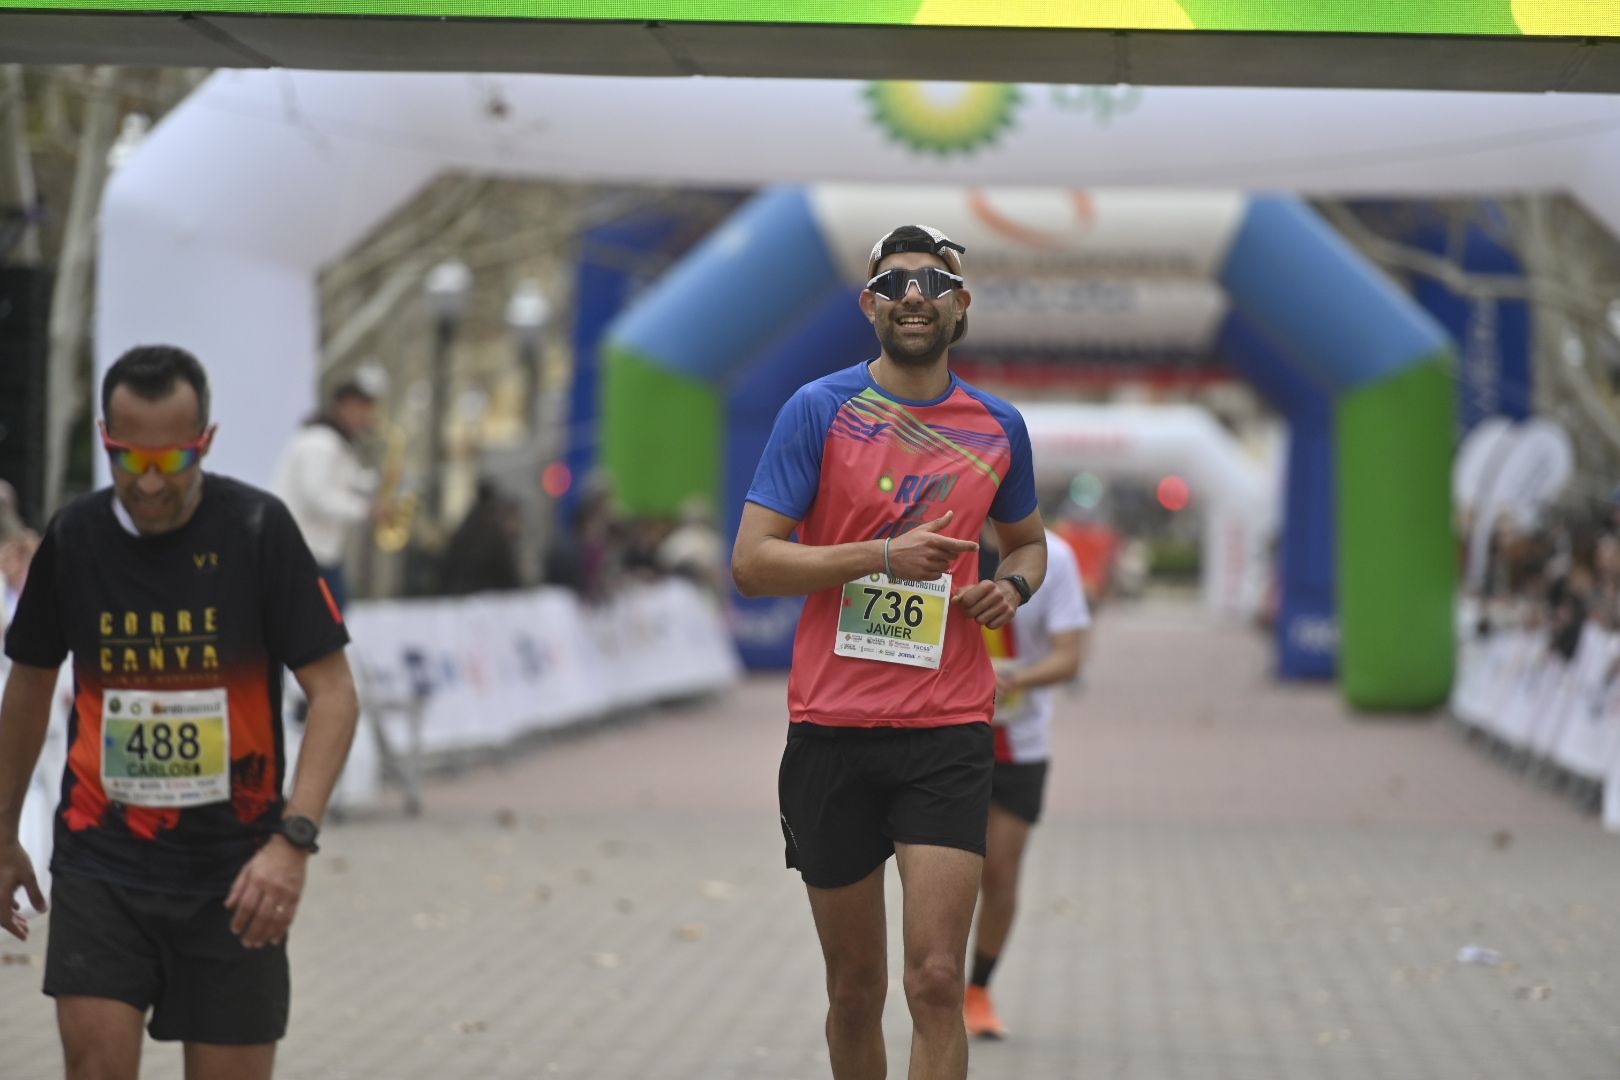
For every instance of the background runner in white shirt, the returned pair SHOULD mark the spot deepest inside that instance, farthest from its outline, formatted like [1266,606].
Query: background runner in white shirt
[1040,649]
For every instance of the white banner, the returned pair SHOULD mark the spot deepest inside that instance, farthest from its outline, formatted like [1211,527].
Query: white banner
[492,668]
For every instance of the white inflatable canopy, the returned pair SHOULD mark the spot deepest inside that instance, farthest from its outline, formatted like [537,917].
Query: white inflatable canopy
[213,233]
[1235,494]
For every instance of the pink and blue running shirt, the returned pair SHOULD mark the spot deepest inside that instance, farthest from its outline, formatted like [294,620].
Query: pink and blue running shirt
[851,462]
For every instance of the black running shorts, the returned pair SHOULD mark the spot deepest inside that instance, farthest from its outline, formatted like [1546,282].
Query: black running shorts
[172,953]
[1020,789]
[849,795]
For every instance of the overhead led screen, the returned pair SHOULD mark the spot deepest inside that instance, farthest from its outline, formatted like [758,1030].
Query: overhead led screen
[1599,18]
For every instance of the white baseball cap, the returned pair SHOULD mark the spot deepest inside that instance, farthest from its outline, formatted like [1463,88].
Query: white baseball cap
[923,238]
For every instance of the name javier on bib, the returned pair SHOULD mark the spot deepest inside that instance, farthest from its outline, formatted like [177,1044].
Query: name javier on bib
[893,620]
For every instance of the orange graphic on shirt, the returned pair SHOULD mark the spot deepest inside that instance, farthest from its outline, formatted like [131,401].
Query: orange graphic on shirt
[254,786]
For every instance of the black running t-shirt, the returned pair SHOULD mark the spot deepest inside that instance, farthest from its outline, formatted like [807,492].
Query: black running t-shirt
[175,764]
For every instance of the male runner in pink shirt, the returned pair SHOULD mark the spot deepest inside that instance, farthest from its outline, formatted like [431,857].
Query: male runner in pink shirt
[886,470]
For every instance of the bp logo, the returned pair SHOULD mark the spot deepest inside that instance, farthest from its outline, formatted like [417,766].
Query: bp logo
[943,118]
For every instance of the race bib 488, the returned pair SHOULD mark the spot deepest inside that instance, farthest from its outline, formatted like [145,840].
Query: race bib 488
[166,748]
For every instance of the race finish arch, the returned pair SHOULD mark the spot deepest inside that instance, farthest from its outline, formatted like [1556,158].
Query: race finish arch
[698,367]
[1525,45]
[1233,491]
[213,234]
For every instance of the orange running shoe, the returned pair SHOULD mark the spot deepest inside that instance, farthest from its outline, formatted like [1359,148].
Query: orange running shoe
[980,1015]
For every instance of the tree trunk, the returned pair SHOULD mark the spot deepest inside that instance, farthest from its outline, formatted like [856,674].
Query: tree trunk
[71,297]
[17,189]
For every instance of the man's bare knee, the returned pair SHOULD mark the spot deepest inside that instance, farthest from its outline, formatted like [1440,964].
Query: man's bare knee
[857,990]
[935,982]
[101,1039]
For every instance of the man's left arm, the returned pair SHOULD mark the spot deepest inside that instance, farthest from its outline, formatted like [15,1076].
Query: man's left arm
[266,894]
[993,603]
[334,713]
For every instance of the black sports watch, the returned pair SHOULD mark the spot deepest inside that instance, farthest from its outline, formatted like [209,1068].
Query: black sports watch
[1017,581]
[300,832]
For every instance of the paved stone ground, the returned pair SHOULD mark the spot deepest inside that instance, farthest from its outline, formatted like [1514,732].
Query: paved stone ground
[1236,881]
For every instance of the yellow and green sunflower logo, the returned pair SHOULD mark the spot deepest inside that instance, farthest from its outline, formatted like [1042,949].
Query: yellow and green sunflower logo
[943,118]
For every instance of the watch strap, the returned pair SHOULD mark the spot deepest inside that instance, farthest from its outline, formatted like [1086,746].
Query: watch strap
[1020,586]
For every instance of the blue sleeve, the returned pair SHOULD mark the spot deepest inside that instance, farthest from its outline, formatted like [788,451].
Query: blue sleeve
[1015,498]
[789,472]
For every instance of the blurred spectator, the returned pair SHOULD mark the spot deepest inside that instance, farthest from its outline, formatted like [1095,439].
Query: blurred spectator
[1567,603]
[564,561]
[16,552]
[1552,579]
[638,552]
[1131,567]
[695,549]
[1555,578]
[584,556]
[1606,592]
[322,480]
[11,522]
[482,553]
[17,544]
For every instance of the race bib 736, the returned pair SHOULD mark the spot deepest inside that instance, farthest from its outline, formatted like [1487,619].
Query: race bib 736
[893,620]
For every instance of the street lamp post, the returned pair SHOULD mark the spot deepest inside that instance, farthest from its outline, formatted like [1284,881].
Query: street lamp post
[526,315]
[447,286]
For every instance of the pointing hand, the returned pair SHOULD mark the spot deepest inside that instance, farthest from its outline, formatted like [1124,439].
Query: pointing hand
[925,553]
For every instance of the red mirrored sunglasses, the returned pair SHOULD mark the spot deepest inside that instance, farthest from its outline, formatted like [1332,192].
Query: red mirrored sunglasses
[169,460]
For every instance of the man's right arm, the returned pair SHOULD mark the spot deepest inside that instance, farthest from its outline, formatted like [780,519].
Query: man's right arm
[765,562]
[25,714]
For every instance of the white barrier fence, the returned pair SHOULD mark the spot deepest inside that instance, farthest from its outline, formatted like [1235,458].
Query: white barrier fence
[482,671]
[1550,711]
[485,670]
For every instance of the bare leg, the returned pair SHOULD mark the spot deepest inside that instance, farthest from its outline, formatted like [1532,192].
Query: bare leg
[210,1061]
[850,922]
[101,1038]
[1004,855]
[941,885]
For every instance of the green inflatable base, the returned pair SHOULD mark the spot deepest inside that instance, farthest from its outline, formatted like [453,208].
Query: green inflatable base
[664,441]
[1397,557]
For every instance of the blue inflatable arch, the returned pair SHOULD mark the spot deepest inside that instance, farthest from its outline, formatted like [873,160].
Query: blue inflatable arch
[695,372]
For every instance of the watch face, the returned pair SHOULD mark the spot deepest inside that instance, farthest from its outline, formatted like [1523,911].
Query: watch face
[300,830]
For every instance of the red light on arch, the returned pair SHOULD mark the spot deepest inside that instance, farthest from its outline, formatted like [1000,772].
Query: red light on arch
[1174,494]
[557,479]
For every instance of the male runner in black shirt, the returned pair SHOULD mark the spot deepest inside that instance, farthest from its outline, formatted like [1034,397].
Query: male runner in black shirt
[178,864]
